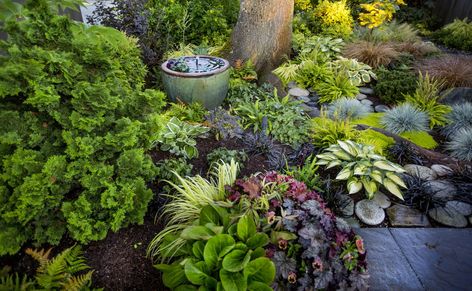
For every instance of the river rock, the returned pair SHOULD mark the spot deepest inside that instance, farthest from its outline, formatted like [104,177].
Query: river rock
[459,206]
[441,170]
[448,217]
[365,90]
[347,205]
[404,216]
[369,212]
[304,99]
[441,189]
[367,102]
[361,96]
[298,92]
[314,112]
[382,200]
[422,172]
[291,85]
[381,108]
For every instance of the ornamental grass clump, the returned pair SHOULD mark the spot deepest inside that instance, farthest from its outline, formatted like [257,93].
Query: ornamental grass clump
[76,126]
[363,168]
[345,108]
[370,53]
[405,118]
[459,118]
[460,145]
[455,70]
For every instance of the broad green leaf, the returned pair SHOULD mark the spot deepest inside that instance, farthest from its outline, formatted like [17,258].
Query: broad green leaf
[233,281]
[377,176]
[216,229]
[240,246]
[348,148]
[257,253]
[197,249]
[172,275]
[370,187]
[345,174]
[195,272]
[209,215]
[258,286]
[342,155]
[392,188]
[333,164]
[185,288]
[257,240]
[260,270]
[236,260]
[197,232]
[246,227]
[216,248]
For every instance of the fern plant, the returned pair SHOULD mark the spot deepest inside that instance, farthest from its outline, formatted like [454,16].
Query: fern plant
[326,132]
[66,271]
[335,87]
[426,98]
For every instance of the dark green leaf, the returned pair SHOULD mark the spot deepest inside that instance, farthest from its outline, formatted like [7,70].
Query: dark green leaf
[197,249]
[259,252]
[185,288]
[209,215]
[258,286]
[260,270]
[216,248]
[173,275]
[197,232]
[236,260]
[233,281]
[195,272]
[246,227]
[258,240]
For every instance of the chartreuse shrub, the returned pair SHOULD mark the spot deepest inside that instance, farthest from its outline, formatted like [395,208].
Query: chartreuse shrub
[65,271]
[362,168]
[76,123]
[333,18]
[378,12]
[326,132]
[456,34]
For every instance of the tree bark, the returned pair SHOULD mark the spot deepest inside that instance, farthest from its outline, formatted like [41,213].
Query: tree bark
[263,33]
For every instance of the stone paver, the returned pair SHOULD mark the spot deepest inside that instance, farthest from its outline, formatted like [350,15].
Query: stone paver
[418,258]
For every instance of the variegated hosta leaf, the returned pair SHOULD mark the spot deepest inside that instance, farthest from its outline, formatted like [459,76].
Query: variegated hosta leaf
[384,165]
[333,164]
[354,185]
[377,176]
[370,187]
[342,155]
[322,162]
[345,174]
[348,147]
[326,156]
[396,179]
[392,188]
[360,170]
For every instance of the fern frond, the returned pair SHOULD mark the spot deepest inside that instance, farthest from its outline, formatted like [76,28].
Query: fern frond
[42,256]
[76,283]
[75,260]
[15,283]
[54,272]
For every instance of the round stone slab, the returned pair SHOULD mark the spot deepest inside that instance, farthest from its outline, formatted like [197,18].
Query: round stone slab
[459,206]
[382,200]
[370,212]
[298,92]
[448,217]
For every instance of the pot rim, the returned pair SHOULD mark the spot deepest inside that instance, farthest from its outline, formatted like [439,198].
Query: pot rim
[168,71]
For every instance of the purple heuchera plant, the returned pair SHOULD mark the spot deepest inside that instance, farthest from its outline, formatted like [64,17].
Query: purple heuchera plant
[326,253]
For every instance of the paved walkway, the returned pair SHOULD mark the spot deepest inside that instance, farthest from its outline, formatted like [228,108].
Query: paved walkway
[419,258]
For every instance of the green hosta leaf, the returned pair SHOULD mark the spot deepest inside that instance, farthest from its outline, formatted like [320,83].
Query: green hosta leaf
[325,156]
[236,260]
[392,187]
[396,179]
[354,185]
[385,165]
[196,272]
[345,174]
[258,286]
[333,164]
[172,275]
[377,176]
[258,240]
[370,187]
[246,227]
[322,162]
[360,170]
[197,232]
[342,155]
[197,249]
[260,270]
[216,248]
[233,281]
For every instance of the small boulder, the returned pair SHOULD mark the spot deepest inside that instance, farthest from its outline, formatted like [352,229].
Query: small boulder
[291,85]
[381,108]
[448,217]
[361,96]
[365,90]
[347,205]
[441,189]
[298,92]
[459,206]
[441,170]
[382,200]
[422,172]
[304,99]
[404,216]
[369,212]
[367,102]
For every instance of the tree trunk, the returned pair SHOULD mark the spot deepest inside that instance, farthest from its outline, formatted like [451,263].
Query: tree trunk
[263,33]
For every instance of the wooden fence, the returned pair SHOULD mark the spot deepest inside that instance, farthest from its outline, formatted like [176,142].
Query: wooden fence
[448,10]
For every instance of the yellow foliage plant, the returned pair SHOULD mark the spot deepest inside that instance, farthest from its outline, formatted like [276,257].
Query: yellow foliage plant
[378,12]
[334,18]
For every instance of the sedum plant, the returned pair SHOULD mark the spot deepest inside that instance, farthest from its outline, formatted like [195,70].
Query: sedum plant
[178,138]
[76,125]
[426,98]
[363,168]
[357,72]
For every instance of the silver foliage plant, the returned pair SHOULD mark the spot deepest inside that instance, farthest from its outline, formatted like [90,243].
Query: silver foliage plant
[345,108]
[404,118]
[460,145]
[459,118]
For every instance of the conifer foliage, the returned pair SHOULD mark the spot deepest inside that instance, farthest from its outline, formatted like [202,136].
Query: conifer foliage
[75,124]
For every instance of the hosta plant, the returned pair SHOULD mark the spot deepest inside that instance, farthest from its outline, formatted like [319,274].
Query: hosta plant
[178,137]
[363,168]
[357,72]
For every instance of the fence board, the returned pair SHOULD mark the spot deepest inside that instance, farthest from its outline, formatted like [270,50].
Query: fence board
[448,10]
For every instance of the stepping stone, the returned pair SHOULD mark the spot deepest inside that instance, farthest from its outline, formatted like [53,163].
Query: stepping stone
[441,189]
[382,200]
[440,257]
[381,108]
[291,85]
[422,172]
[365,90]
[459,206]
[348,203]
[298,92]
[441,170]
[388,267]
[448,216]
[367,102]
[369,212]
[404,216]
[361,96]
